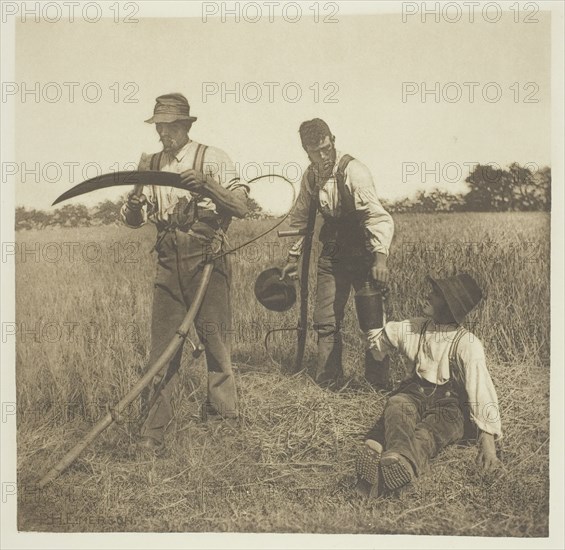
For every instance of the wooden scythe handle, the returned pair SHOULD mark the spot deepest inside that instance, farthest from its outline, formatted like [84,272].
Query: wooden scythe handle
[304,276]
[138,190]
[163,360]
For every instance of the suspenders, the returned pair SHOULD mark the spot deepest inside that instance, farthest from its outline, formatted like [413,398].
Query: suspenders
[346,200]
[155,161]
[457,380]
[455,374]
[198,165]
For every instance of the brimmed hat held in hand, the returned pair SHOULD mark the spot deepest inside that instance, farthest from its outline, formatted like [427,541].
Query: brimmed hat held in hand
[273,293]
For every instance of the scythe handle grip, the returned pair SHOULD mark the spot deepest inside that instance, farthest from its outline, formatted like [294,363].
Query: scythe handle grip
[292,233]
[137,190]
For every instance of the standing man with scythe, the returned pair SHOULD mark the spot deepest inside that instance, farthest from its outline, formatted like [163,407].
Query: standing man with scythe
[189,224]
[355,239]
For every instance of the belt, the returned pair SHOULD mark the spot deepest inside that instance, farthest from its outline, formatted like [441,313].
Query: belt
[447,388]
[166,227]
[212,221]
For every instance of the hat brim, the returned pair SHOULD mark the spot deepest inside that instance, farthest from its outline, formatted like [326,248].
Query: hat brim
[274,294]
[167,118]
[450,296]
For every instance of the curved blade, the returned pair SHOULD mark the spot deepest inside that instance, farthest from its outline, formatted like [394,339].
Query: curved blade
[148,177]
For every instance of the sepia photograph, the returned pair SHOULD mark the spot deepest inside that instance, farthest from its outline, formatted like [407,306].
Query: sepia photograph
[282,274]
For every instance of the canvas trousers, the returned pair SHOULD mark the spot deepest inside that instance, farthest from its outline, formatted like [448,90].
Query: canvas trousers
[419,421]
[179,266]
[336,275]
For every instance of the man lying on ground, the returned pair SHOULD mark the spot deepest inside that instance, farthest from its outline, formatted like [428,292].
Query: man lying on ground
[450,395]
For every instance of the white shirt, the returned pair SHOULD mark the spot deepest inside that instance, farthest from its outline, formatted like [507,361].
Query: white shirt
[358,180]
[162,200]
[432,363]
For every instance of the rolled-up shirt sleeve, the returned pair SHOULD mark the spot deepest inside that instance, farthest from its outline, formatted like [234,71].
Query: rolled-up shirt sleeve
[377,222]
[299,215]
[483,400]
[219,166]
[381,341]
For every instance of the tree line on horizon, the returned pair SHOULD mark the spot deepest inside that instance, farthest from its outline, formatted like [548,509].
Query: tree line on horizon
[514,189]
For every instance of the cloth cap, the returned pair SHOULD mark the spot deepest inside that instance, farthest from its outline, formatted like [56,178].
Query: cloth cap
[171,107]
[273,293]
[461,293]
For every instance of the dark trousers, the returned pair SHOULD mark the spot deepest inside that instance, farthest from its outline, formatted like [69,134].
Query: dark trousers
[179,265]
[419,421]
[335,277]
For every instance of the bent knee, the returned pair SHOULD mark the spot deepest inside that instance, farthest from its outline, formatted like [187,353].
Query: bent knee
[327,329]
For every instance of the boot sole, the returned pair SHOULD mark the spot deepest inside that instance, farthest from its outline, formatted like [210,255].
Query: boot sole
[396,473]
[367,468]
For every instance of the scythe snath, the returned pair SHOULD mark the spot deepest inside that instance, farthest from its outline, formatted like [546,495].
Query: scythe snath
[302,327]
[165,358]
[139,179]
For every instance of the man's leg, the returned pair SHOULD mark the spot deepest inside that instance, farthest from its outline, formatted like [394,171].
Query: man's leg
[401,416]
[167,315]
[441,425]
[214,328]
[332,292]
[213,322]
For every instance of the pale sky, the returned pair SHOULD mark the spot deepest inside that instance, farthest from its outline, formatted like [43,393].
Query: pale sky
[368,57]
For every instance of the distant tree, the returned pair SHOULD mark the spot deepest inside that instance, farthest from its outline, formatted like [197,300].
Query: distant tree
[542,189]
[489,189]
[23,218]
[40,219]
[73,215]
[437,200]
[29,219]
[513,189]
[532,188]
[255,211]
[107,212]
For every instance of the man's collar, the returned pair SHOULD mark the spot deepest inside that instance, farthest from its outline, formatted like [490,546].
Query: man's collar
[338,155]
[318,185]
[182,151]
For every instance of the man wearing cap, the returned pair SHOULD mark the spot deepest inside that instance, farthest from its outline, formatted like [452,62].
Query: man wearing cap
[355,239]
[190,226]
[449,396]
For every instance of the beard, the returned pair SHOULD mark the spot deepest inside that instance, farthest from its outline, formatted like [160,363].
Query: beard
[170,145]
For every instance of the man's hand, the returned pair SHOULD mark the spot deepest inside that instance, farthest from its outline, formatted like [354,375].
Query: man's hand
[487,458]
[196,182]
[379,269]
[136,202]
[290,269]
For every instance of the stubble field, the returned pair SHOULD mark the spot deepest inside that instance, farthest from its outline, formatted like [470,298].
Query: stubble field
[83,316]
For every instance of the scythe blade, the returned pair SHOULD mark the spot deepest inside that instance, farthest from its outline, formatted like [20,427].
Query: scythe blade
[116,179]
